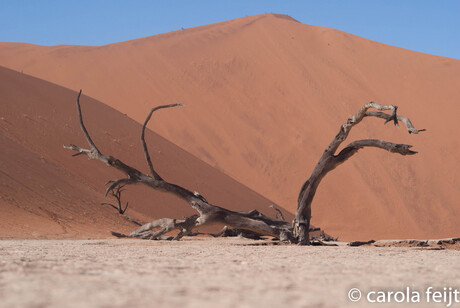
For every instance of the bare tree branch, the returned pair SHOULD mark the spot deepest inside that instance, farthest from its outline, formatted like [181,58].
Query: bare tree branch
[410,128]
[154,174]
[354,120]
[355,146]
[94,152]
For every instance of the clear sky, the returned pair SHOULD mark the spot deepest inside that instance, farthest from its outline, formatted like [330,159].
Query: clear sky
[427,26]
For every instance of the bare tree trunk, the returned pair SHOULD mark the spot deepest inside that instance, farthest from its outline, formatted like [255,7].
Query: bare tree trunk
[329,161]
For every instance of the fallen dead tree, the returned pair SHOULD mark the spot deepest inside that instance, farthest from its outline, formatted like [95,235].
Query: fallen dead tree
[253,221]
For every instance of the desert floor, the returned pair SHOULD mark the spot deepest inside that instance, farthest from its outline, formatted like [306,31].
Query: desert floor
[224,272]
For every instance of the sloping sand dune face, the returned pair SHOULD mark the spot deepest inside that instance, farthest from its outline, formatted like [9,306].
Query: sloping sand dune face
[266,94]
[47,193]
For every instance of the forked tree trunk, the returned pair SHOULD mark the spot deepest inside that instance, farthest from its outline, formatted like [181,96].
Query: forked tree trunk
[329,161]
[253,221]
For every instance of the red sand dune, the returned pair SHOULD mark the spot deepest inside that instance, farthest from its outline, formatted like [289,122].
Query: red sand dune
[266,94]
[47,193]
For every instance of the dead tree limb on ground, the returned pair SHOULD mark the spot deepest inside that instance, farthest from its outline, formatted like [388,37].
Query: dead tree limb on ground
[253,221]
[208,213]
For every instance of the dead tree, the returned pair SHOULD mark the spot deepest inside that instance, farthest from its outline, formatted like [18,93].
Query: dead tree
[254,221]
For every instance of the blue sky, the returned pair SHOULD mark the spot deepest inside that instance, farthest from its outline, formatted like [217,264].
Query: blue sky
[427,26]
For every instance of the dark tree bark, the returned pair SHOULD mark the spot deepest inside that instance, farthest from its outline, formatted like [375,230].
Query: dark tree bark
[252,222]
